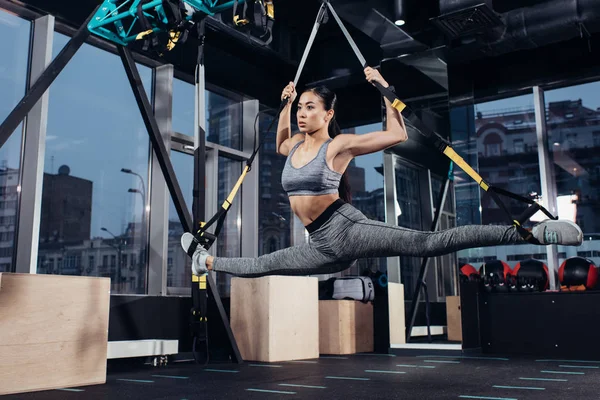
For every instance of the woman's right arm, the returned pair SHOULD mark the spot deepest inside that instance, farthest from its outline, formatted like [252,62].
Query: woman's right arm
[284,125]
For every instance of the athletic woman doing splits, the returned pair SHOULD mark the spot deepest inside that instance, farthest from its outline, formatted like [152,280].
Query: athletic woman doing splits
[314,180]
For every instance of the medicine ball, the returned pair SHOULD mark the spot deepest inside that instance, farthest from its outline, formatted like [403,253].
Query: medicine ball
[578,273]
[494,275]
[468,273]
[532,275]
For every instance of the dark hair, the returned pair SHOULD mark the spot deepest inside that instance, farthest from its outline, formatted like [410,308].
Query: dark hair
[330,100]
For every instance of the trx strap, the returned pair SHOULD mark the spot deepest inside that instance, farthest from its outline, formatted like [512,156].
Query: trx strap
[177,27]
[147,35]
[444,146]
[199,310]
[260,21]
[202,236]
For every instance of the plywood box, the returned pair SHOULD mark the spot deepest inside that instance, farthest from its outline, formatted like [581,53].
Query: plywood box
[345,327]
[396,313]
[275,318]
[53,331]
[454,322]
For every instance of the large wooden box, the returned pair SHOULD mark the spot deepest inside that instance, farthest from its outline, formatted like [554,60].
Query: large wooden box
[53,331]
[396,313]
[453,319]
[275,318]
[345,327]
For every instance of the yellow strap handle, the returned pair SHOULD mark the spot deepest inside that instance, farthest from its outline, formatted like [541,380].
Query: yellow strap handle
[398,105]
[458,160]
[200,280]
[239,21]
[229,200]
[173,39]
[270,9]
[142,35]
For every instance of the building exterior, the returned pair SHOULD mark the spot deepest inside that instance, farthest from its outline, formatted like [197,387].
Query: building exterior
[9,182]
[66,207]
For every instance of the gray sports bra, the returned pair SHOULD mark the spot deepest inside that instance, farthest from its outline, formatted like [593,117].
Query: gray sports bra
[313,179]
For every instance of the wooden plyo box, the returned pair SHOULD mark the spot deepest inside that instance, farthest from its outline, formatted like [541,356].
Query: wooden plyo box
[396,313]
[453,319]
[275,318]
[345,327]
[53,331]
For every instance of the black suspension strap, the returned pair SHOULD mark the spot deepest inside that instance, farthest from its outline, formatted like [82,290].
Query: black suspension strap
[147,35]
[444,146]
[202,236]
[199,311]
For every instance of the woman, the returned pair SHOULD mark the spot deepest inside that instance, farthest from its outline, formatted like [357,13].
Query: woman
[314,179]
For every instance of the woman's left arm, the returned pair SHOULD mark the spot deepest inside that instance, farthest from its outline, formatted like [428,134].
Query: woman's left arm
[372,142]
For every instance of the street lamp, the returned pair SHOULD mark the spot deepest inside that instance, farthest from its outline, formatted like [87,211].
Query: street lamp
[143,233]
[128,171]
[132,190]
[142,257]
[119,254]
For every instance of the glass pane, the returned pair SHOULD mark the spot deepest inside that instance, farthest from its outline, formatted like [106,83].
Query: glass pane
[275,215]
[13,80]
[365,174]
[224,121]
[498,139]
[223,115]
[409,216]
[94,217]
[507,154]
[183,107]
[229,241]
[178,263]
[446,271]
[573,122]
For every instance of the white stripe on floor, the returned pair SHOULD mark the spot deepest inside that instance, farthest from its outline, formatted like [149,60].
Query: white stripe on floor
[303,386]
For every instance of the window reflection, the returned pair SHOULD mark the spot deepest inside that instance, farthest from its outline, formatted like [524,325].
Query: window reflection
[573,123]
[446,271]
[223,115]
[95,191]
[275,215]
[365,175]
[498,139]
[183,107]
[178,263]
[13,80]
[223,127]
[229,243]
[409,216]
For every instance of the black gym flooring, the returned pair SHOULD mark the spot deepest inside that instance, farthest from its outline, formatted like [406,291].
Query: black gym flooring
[360,376]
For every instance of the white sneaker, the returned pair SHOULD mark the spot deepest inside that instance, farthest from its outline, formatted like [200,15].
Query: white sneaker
[560,231]
[200,255]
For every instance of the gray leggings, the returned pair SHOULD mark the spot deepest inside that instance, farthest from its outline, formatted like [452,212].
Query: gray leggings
[343,234]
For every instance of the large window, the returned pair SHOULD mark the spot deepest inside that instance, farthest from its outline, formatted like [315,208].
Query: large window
[365,175]
[223,115]
[275,215]
[229,243]
[573,123]
[499,140]
[223,127]
[95,190]
[13,79]
[178,262]
[408,192]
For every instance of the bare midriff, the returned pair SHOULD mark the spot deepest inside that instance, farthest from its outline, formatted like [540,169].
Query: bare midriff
[308,208]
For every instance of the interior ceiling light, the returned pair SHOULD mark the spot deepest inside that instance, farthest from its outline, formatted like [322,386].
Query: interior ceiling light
[400,12]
